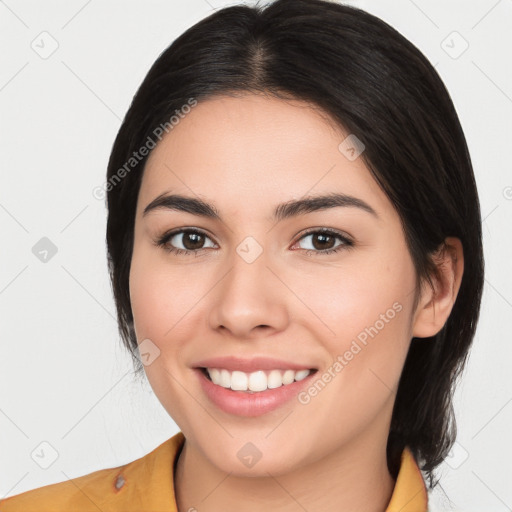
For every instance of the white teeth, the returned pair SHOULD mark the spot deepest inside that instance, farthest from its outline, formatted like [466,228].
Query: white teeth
[214,374]
[274,379]
[239,381]
[255,381]
[225,379]
[301,374]
[288,377]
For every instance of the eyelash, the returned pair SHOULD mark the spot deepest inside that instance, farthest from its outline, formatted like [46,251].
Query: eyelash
[164,239]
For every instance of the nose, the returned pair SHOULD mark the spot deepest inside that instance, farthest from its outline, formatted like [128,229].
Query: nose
[250,299]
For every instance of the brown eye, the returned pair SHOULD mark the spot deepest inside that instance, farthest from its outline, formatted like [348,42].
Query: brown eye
[192,240]
[184,241]
[324,241]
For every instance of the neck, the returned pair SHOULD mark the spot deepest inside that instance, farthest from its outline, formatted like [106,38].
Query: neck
[353,478]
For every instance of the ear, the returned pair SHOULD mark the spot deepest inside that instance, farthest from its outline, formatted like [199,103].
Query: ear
[434,307]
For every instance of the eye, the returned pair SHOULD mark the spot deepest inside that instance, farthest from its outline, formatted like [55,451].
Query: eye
[322,240]
[192,241]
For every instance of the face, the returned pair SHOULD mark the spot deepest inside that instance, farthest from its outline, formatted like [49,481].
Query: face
[329,290]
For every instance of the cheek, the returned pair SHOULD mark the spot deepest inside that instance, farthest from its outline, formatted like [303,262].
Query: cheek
[161,296]
[364,291]
[363,311]
[160,301]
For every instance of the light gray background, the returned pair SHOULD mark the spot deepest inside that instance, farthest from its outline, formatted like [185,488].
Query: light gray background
[64,379]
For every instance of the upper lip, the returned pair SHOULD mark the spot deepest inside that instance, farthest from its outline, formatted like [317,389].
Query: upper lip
[233,363]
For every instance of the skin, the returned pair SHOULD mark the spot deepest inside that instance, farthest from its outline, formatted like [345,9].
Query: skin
[245,155]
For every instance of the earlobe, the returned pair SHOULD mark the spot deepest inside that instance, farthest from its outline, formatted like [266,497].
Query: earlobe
[434,306]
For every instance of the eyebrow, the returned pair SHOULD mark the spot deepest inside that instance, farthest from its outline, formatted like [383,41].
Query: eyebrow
[282,211]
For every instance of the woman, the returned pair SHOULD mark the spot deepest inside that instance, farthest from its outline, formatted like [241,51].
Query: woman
[295,251]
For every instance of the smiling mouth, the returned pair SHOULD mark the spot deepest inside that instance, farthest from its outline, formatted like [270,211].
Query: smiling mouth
[257,381]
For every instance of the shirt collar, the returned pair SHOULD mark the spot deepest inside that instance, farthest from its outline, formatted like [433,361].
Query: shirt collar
[410,492]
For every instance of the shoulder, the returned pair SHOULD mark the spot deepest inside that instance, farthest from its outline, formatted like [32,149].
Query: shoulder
[117,488]
[79,493]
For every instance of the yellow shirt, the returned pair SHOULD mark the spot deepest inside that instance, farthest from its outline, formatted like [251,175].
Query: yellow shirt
[147,485]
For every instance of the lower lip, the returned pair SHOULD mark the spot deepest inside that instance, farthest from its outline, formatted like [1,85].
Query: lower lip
[250,404]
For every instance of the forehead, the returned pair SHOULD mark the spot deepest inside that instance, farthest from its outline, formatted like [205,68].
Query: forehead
[252,150]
